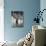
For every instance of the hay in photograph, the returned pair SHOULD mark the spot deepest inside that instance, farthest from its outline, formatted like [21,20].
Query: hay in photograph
[17,18]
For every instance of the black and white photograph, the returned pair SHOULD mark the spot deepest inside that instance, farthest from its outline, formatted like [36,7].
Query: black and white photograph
[17,18]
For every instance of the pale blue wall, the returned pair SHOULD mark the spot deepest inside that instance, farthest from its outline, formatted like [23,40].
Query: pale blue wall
[29,7]
[43,6]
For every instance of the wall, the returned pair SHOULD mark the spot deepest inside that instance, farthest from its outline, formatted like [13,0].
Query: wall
[29,7]
[1,20]
[43,6]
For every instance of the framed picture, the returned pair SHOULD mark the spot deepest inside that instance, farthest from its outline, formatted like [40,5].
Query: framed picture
[17,18]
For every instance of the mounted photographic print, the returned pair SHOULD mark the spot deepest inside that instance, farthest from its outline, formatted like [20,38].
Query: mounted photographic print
[17,18]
